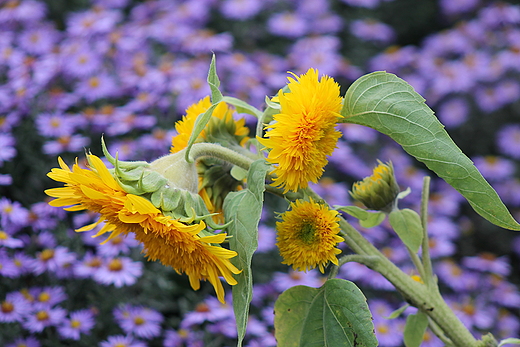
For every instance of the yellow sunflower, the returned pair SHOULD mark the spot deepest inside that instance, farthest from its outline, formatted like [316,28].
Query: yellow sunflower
[175,244]
[215,179]
[308,235]
[303,134]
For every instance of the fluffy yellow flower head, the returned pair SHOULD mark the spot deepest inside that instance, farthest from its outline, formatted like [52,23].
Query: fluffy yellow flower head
[303,134]
[175,244]
[308,235]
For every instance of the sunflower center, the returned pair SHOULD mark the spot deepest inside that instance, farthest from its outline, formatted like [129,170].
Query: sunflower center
[307,232]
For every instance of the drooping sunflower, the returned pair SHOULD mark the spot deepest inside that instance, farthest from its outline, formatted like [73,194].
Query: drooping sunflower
[308,235]
[182,246]
[303,134]
[215,179]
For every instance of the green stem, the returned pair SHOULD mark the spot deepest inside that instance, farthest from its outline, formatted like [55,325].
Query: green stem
[199,150]
[426,260]
[417,262]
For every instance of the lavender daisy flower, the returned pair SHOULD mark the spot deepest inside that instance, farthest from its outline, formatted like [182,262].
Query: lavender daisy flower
[240,9]
[508,140]
[80,322]
[27,11]
[7,150]
[7,266]
[359,272]
[210,310]
[121,271]
[455,277]
[47,296]
[39,39]
[13,216]
[8,241]
[23,262]
[363,3]
[5,180]
[182,337]
[54,124]
[120,340]
[385,330]
[66,143]
[504,293]
[55,260]
[266,239]
[453,112]
[140,321]
[43,216]
[29,341]
[494,168]
[488,262]
[319,52]
[125,122]
[81,60]
[88,266]
[91,22]
[40,319]
[14,308]
[121,244]
[287,24]
[97,87]
[283,281]
[457,7]
[372,30]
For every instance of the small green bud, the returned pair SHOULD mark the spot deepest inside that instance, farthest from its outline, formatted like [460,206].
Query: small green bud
[378,191]
[179,173]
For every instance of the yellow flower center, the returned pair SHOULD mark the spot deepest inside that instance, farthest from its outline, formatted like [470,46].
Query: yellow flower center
[7,307]
[42,315]
[3,235]
[139,320]
[44,297]
[115,265]
[46,254]
[74,323]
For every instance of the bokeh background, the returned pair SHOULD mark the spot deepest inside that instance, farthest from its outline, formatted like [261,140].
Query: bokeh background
[71,71]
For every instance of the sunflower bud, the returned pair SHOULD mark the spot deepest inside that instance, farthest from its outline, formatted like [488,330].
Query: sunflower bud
[379,191]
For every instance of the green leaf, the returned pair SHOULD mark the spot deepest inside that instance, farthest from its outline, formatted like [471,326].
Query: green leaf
[414,329]
[390,105]
[366,219]
[214,82]
[397,312]
[200,123]
[407,225]
[242,106]
[244,209]
[334,315]
[510,340]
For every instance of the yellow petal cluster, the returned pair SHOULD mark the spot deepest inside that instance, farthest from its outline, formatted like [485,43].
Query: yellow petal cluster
[308,235]
[165,239]
[303,134]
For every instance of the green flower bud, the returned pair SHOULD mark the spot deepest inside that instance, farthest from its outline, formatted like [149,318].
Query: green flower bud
[379,191]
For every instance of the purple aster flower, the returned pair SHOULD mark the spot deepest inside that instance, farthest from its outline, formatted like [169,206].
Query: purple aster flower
[474,311]
[27,11]
[120,271]
[266,238]
[362,274]
[287,24]
[457,7]
[7,266]
[385,330]
[335,193]
[79,322]
[44,239]
[23,262]
[9,120]
[488,262]
[45,317]
[346,161]
[443,227]
[68,143]
[503,292]
[283,281]
[121,244]
[89,265]
[182,337]
[507,325]
[13,215]
[29,341]
[453,112]
[55,124]
[205,40]
[7,150]
[372,30]
[487,99]
[494,168]
[81,60]
[6,180]
[156,141]
[140,321]
[43,216]
[8,241]
[47,296]
[95,21]
[39,39]
[508,140]
[210,310]
[456,277]
[125,122]
[96,87]
[55,260]
[126,149]
[120,340]
[14,308]
[441,247]
[319,52]
[240,9]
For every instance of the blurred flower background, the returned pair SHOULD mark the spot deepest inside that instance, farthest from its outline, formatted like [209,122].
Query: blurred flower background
[71,71]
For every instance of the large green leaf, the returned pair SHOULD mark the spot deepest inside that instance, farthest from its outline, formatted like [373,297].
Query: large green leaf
[334,315]
[244,209]
[390,105]
[407,225]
